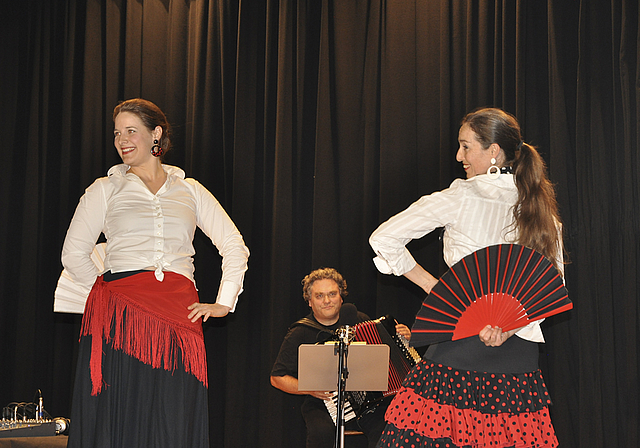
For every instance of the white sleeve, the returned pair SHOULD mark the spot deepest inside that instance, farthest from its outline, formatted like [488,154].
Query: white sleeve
[560,254]
[218,226]
[429,212]
[85,228]
[69,297]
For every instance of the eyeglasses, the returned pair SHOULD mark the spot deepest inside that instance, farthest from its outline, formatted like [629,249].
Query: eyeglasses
[330,294]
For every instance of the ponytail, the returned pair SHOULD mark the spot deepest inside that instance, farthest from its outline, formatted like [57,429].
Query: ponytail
[536,213]
[536,217]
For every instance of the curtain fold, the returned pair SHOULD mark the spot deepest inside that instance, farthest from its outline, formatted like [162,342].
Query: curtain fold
[312,122]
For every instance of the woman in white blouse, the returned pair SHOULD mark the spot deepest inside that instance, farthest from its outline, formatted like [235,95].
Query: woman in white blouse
[486,390]
[142,373]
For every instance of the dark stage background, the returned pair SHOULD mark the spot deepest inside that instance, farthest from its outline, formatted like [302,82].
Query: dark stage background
[312,122]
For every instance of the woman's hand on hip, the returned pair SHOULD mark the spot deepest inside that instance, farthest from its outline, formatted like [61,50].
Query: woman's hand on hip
[422,278]
[207,310]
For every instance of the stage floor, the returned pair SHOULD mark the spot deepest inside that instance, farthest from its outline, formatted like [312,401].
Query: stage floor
[34,442]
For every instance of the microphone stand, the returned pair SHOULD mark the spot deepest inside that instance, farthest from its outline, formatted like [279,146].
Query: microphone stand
[341,350]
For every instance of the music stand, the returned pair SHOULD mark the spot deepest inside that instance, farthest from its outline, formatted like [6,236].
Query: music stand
[366,368]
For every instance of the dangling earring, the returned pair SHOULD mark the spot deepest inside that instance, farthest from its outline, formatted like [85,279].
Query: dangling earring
[493,172]
[156,150]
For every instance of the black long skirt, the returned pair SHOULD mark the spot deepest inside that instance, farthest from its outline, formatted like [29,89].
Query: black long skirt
[139,406]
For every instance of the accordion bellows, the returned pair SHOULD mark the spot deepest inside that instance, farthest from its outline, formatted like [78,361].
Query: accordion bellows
[506,286]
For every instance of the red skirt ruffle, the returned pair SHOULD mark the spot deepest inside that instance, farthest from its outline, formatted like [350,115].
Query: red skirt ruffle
[439,406]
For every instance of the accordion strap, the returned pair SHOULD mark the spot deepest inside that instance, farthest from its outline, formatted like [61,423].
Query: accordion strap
[309,323]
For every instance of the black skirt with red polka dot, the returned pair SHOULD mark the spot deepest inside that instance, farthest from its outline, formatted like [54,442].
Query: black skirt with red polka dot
[440,406]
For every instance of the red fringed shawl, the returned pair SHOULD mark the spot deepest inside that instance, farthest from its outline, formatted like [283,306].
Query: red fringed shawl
[147,320]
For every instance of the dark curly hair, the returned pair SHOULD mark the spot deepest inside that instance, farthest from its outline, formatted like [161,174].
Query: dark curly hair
[323,274]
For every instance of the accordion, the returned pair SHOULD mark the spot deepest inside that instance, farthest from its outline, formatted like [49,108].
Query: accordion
[401,359]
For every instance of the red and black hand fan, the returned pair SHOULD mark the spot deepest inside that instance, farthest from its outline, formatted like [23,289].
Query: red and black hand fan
[506,285]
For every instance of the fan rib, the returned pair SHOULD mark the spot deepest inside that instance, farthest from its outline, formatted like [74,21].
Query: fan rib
[559,287]
[444,332]
[529,278]
[475,256]
[506,267]
[455,274]
[540,290]
[435,321]
[442,311]
[475,293]
[495,286]
[554,311]
[537,312]
[454,295]
[511,277]
[523,269]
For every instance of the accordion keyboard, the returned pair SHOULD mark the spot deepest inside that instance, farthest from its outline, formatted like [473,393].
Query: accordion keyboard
[332,406]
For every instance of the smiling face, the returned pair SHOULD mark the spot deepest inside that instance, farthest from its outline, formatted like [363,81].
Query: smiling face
[325,301]
[475,159]
[133,139]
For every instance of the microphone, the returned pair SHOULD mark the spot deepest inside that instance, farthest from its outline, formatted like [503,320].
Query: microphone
[348,315]
[348,318]
[40,416]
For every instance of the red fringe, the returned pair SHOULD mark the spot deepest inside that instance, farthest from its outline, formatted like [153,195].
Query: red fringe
[153,338]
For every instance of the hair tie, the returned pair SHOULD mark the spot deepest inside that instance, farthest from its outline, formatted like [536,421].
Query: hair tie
[520,145]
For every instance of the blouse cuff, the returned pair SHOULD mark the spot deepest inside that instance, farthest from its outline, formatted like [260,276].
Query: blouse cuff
[402,265]
[228,294]
[382,265]
[532,332]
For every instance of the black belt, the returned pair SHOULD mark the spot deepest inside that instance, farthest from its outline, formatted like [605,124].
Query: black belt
[110,276]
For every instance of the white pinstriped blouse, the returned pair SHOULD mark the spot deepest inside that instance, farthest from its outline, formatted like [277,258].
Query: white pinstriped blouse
[475,213]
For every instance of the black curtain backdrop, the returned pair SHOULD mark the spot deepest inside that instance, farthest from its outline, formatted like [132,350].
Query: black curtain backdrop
[312,122]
